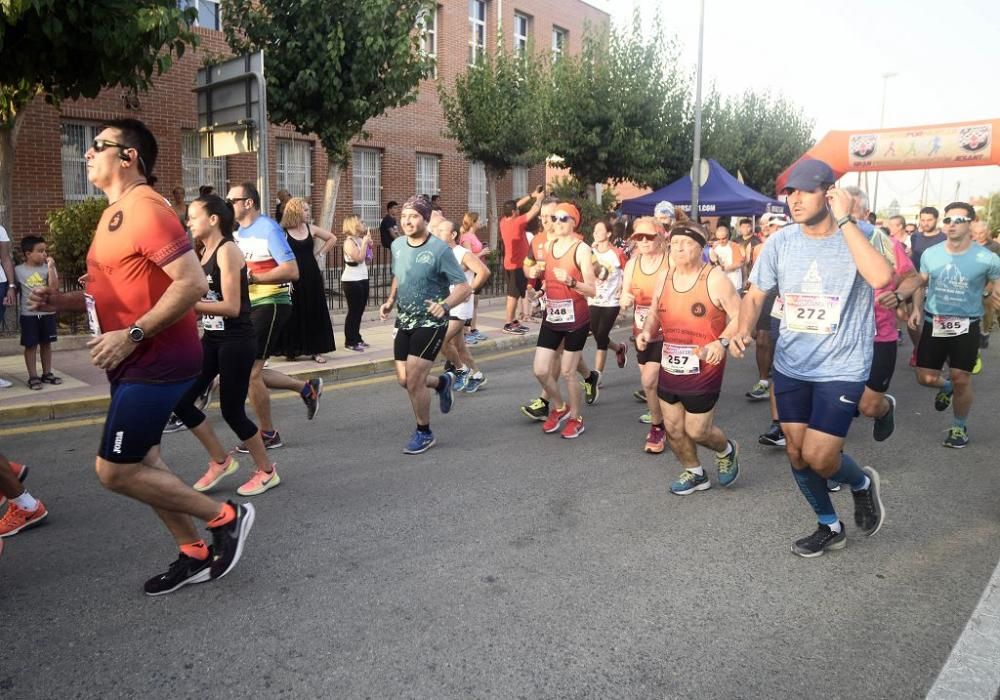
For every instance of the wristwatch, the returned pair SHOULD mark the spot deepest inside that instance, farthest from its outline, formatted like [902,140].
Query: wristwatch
[724,342]
[572,282]
[845,219]
[136,334]
[899,299]
[446,306]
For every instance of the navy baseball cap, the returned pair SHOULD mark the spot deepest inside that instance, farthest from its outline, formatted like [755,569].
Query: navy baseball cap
[809,176]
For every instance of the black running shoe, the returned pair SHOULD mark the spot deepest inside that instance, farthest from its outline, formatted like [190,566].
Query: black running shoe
[887,423]
[228,540]
[183,571]
[868,510]
[773,437]
[537,409]
[639,395]
[311,400]
[174,425]
[591,387]
[823,540]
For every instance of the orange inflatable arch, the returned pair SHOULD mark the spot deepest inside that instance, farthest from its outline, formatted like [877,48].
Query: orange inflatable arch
[909,148]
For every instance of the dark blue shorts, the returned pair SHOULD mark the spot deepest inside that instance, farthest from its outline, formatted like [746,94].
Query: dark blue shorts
[38,330]
[828,407]
[136,418]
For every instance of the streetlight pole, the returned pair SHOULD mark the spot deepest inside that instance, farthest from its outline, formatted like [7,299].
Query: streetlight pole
[696,165]
[881,123]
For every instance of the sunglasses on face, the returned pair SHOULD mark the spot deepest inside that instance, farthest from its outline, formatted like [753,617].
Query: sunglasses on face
[561,218]
[234,200]
[99,145]
[956,220]
[644,236]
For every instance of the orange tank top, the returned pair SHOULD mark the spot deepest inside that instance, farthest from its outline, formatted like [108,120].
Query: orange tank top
[641,285]
[565,308]
[690,320]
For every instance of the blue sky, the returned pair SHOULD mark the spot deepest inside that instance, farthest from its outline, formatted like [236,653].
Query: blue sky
[829,58]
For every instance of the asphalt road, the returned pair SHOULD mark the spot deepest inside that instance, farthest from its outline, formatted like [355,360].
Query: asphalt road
[506,563]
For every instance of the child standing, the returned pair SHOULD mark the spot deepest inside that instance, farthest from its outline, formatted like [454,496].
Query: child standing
[38,328]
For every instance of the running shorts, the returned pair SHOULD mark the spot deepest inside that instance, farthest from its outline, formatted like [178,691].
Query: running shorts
[652,353]
[38,330]
[550,338]
[517,283]
[136,418]
[424,343]
[268,320]
[883,365]
[959,351]
[828,407]
[697,403]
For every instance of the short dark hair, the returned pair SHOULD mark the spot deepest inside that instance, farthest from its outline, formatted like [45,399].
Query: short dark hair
[250,192]
[898,217]
[744,221]
[930,210]
[392,203]
[872,218]
[509,208]
[435,198]
[28,243]
[206,189]
[217,206]
[962,205]
[135,134]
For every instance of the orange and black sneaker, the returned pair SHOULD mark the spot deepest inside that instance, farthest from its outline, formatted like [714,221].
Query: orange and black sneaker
[20,471]
[311,393]
[183,571]
[17,519]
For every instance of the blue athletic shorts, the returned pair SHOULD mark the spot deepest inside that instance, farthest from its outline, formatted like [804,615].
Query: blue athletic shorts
[136,418]
[828,407]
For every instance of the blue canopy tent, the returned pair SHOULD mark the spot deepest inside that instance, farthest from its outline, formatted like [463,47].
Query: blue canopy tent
[721,195]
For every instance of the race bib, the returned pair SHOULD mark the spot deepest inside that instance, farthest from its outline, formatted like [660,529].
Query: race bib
[213,323]
[641,314]
[559,311]
[680,359]
[812,313]
[949,326]
[95,325]
[778,310]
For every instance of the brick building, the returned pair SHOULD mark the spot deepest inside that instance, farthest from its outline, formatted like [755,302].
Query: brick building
[405,154]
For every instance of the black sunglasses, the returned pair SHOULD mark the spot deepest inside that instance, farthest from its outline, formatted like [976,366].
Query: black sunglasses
[645,236]
[237,199]
[100,145]
[956,220]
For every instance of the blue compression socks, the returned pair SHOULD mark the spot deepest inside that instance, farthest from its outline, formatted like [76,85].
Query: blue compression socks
[813,487]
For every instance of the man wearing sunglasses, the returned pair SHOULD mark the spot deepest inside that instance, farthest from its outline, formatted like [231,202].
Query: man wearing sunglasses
[958,274]
[143,280]
[825,269]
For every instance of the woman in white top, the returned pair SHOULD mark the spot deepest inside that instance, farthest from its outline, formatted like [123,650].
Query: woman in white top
[609,262]
[357,246]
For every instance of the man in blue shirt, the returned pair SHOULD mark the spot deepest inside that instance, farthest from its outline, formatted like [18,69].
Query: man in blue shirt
[826,269]
[958,274]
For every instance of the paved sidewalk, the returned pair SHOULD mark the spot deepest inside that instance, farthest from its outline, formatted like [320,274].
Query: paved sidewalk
[85,388]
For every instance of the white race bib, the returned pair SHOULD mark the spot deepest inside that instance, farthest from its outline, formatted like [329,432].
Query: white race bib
[559,311]
[680,359]
[641,314]
[812,313]
[213,323]
[778,310]
[95,325]
[949,326]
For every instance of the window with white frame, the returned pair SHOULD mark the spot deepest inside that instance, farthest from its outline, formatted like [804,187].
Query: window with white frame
[76,139]
[367,169]
[519,177]
[295,167]
[427,24]
[477,188]
[560,38]
[477,31]
[208,12]
[522,25]
[428,167]
[197,171]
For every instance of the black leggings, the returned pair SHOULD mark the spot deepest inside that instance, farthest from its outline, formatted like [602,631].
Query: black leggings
[232,360]
[602,320]
[357,300]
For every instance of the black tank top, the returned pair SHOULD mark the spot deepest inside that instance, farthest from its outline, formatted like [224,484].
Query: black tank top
[240,326]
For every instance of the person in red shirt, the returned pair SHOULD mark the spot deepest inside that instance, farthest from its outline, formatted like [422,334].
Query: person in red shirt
[513,228]
[143,280]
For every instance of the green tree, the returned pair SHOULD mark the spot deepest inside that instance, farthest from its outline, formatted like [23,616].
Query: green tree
[990,212]
[332,65]
[495,111]
[618,107]
[67,49]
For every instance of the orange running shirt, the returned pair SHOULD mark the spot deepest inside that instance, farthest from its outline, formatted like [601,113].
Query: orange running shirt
[641,287]
[558,295]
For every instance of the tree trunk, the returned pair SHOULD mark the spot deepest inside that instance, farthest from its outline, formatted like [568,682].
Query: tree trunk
[493,178]
[8,140]
[330,192]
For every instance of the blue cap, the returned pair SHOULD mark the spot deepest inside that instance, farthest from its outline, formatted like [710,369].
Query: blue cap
[809,176]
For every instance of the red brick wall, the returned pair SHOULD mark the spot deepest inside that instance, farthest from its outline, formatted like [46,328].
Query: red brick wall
[170,107]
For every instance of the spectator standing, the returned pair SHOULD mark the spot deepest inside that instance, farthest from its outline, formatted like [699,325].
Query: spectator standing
[357,247]
[279,210]
[178,204]
[389,228]
[6,277]
[469,239]
[38,328]
[309,330]
[513,227]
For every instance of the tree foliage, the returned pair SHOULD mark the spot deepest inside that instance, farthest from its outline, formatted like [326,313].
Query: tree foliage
[618,106]
[71,229]
[990,212]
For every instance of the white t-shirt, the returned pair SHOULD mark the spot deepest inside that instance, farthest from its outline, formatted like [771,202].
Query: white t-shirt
[726,253]
[609,290]
[464,310]
[4,238]
[355,273]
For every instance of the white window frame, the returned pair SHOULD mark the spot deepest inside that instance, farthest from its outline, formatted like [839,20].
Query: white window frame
[560,37]
[210,6]
[197,171]
[75,139]
[366,167]
[477,188]
[428,176]
[294,167]
[519,181]
[477,31]
[428,38]
[522,30]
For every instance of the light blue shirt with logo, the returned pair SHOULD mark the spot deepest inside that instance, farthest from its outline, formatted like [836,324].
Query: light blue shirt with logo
[956,281]
[424,272]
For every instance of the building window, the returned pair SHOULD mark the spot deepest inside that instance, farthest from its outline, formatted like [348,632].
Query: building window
[477,31]
[76,139]
[477,188]
[519,175]
[522,25]
[427,25]
[367,168]
[197,171]
[427,174]
[295,167]
[560,38]
[208,13]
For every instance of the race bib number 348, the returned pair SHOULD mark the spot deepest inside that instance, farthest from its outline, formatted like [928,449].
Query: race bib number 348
[812,313]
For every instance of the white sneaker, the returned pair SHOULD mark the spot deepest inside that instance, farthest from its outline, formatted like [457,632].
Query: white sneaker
[4,384]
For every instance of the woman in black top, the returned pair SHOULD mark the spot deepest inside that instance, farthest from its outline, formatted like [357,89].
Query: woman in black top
[228,347]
